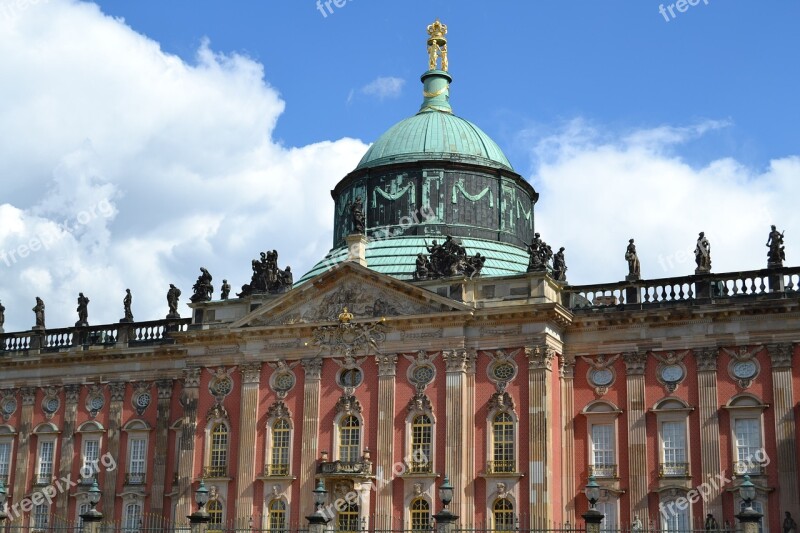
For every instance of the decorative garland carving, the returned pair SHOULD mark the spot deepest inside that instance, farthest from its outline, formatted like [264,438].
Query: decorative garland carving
[348,404]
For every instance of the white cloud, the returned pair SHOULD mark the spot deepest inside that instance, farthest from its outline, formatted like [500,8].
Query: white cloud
[124,166]
[384,87]
[598,190]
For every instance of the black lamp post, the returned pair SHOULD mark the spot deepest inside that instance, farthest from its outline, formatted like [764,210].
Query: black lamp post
[445,520]
[3,495]
[93,517]
[198,520]
[593,517]
[318,519]
[749,517]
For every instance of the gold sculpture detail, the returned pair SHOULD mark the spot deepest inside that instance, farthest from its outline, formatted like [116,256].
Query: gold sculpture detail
[345,316]
[437,45]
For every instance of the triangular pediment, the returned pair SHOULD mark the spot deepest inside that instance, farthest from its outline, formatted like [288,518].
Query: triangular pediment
[365,293]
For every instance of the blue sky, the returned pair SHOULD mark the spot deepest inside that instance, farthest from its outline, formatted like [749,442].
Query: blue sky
[141,140]
[516,64]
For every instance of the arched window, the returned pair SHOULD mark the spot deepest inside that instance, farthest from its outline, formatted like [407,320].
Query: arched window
[281,433]
[420,515]
[421,444]
[277,515]
[350,439]
[503,443]
[347,519]
[677,519]
[503,511]
[133,517]
[218,457]
[214,508]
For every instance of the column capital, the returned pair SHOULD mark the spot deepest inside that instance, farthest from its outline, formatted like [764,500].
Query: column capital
[251,373]
[387,365]
[566,366]
[117,391]
[28,395]
[540,357]
[71,392]
[313,368]
[191,377]
[164,387]
[781,354]
[635,363]
[706,359]
[455,360]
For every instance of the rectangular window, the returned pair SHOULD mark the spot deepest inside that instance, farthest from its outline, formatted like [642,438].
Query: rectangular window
[673,438]
[137,461]
[603,456]
[41,517]
[45,469]
[610,520]
[676,520]
[281,432]
[91,458]
[748,445]
[5,459]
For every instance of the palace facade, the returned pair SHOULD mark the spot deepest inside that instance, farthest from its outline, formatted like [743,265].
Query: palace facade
[398,360]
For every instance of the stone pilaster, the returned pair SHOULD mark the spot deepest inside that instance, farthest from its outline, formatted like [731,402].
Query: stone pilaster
[568,491]
[189,399]
[710,461]
[384,454]
[469,437]
[455,403]
[113,436]
[164,387]
[310,435]
[246,458]
[785,426]
[67,443]
[540,435]
[637,436]
[23,449]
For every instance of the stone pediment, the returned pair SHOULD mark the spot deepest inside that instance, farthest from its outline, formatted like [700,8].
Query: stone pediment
[365,293]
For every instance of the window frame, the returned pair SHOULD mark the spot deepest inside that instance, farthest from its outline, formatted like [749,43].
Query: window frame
[414,465]
[271,468]
[741,407]
[673,410]
[492,468]
[358,449]
[210,469]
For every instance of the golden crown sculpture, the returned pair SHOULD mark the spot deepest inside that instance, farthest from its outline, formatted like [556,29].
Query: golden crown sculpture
[437,45]
[345,316]
[437,31]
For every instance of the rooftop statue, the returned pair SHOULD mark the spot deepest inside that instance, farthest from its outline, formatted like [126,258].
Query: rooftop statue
[126,304]
[2,317]
[776,254]
[357,215]
[225,290]
[540,254]
[559,266]
[702,254]
[38,310]
[447,259]
[267,277]
[83,310]
[203,289]
[437,46]
[173,294]
[634,267]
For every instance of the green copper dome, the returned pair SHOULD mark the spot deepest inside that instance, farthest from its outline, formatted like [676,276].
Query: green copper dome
[434,133]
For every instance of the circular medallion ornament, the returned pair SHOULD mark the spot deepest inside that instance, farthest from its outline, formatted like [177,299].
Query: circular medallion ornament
[503,371]
[350,377]
[672,373]
[9,406]
[142,400]
[222,386]
[601,377]
[423,374]
[50,405]
[284,381]
[96,403]
[745,369]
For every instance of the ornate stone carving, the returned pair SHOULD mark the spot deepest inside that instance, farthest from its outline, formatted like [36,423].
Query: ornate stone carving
[743,366]
[283,379]
[348,404]
[560,266]
[191,377]
[95,400]
[501,401]
[348,339]
[202,288]
[781,355]
[71,392]
[601,375]
[221,383]
[472,361]
[51,402]
[83,310]
[634,267]
[141,397]
[164,387]
[251,373]
[117,391]
[635,363]
[173,295]
[566,367]
[455,360]
[503,368]
[706,359]
[776,254]
[278,410]
[8,403]
[387,365]
[446,260]
[419,403]
[312,367]
[217,412]
[540,357]
[539,253]
[702,254]
[422,371]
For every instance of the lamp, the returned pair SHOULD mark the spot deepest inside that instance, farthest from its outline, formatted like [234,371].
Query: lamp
[749,517]
[747,491]
[320,495]
[200,518]
[93,517]
[445,520]
[318,520]
[593,517]
[201,496]
[592,492]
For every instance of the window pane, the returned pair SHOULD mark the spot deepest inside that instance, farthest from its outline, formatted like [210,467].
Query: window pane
[138,456]
[603,444]
[280,443]
[503,443]
[748,439]
[503,515]
[45,461]
[673,435]
[5,458]
[350,439]
[420,515]
[421,442]
[277,515]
